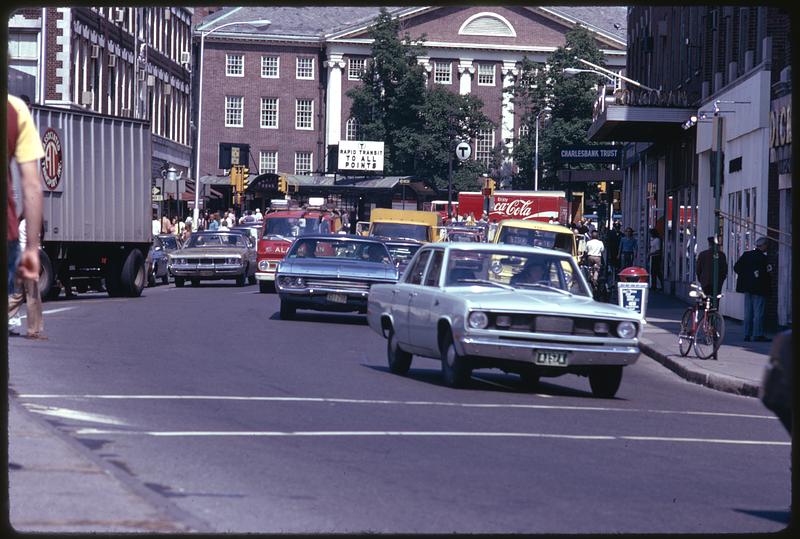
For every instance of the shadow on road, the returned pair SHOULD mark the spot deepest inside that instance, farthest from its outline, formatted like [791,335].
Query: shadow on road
[777,516]
[326,318]
[485,380]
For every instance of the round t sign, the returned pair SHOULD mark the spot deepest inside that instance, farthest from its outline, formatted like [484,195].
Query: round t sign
[463,151]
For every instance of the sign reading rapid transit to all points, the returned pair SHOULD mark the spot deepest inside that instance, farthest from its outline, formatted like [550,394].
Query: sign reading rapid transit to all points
[463,151]
[590,154]
[360,155]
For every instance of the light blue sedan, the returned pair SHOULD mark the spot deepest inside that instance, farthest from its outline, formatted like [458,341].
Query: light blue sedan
[525,310]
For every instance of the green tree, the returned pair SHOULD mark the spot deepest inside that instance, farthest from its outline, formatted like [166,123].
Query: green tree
[387,102]
[571,100]
[447,117]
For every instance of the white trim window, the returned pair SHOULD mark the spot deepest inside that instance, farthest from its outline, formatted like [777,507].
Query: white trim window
[302,162]
[486,74]
[305,68]
[269,113]
[234,111]
[443,72]
[484,144]
[234,65]
[304,114]
[353,129]
[270,67]
[268,162]
[355,68]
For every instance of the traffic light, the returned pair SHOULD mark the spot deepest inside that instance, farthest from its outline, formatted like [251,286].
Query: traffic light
[235,177]
[245,172]
[283,185]
[488,186]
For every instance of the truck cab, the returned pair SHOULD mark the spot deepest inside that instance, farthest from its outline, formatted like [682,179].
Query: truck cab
[404,224]
[278,231]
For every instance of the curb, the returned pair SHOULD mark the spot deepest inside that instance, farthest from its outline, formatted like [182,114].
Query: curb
[719,382]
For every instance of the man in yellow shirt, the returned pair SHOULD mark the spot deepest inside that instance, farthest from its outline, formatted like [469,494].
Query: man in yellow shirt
[24,147]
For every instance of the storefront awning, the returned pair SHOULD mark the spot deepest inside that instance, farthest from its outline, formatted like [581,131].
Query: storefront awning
[627,123]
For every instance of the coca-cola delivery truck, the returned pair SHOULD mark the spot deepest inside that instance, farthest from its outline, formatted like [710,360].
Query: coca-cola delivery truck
[542,206]
[96,177]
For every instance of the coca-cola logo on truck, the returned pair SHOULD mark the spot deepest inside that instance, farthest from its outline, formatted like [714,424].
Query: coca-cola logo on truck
[516,208]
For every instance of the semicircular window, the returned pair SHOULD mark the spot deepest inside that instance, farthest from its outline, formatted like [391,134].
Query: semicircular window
[487,24]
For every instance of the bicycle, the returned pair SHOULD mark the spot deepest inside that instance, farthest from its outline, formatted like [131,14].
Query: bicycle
[597,281]
[701,326]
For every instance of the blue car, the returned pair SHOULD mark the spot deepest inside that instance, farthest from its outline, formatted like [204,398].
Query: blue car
[157,259]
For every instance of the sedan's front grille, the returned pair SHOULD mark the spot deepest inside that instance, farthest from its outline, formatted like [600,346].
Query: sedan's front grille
[565,325]
[338,283]
[206,261]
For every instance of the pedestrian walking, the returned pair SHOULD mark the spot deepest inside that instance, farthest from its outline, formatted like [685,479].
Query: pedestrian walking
[627,248]
[27,291]
[187,233]
[656,274]
[24,147]
[213,223]
[613,237]
[705,269]
[753,276]
[260,216]
[156,224]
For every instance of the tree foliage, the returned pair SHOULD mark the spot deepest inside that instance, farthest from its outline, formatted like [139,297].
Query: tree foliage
[570,98]
[416,123]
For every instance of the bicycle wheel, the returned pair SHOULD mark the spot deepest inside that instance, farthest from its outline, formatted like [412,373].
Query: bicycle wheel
[685,336]
[709,334]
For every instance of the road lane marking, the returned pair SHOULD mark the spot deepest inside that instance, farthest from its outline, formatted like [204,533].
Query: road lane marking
[454,434]
[77,415]
[390,402]
[51,311]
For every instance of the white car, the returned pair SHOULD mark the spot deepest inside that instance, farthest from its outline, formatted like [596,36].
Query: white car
[526,310]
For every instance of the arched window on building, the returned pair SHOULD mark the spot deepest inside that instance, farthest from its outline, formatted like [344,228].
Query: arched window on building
[353,130]
[487,24]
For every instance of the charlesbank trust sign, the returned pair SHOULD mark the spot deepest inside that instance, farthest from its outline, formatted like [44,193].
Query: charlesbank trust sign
[590,154]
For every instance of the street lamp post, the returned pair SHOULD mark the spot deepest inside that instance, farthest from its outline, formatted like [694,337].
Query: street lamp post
[256,23]
[536,151]
[451,133]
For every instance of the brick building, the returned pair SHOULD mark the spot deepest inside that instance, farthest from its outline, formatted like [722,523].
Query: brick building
[130,62]
[737,58]
[282,89]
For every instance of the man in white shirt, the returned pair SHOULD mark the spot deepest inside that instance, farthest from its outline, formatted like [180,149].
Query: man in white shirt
[594,252]
[27,292]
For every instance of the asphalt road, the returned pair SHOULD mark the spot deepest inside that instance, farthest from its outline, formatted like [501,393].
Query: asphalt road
[255,424]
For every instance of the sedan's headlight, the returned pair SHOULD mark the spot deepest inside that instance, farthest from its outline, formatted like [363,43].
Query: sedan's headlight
[626,330]
[233,260]
[263,265]
[478,320]
[291,282]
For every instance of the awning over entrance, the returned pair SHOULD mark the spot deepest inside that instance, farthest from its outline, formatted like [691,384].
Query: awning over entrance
[626,123]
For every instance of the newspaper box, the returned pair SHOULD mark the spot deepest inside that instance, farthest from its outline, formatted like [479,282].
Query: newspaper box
[632,289]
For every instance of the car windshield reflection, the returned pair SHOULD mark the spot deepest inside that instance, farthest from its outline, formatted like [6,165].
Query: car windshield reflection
[216,240]
[365,251]
[534,271]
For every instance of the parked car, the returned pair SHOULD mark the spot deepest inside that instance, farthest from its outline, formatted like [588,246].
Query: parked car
[332,273]
[157,258]
[215,255]
[776,391]
[251,229]
[475,305]
[402,251]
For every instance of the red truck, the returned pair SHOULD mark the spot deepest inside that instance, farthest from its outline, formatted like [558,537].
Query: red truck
[536,205]
[279,230]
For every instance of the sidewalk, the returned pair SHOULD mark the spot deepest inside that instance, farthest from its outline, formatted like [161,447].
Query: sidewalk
[739,365]
[55,485]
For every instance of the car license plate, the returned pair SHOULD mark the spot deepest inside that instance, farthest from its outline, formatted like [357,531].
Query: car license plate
[206,273]
[337,298]
[551,358]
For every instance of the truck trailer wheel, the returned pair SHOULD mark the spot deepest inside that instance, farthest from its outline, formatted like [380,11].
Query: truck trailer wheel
[134,274]
[47,276]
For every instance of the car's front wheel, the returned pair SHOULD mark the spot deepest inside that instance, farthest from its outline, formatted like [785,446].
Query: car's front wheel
[605,381]
[265,287]
[179,282]
[399,360]
[455,368]
[195,282]
[529,380]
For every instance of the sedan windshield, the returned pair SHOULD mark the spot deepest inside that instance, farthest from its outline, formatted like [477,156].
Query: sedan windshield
[536,238]
[365,251]
[400,230]
[535,271]
[403,253]
[293,227]
[216,240]
[169,242]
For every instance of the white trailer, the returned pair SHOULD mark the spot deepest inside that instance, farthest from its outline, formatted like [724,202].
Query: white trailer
[96,179]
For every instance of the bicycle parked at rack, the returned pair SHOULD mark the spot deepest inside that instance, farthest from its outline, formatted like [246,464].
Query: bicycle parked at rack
[701,325]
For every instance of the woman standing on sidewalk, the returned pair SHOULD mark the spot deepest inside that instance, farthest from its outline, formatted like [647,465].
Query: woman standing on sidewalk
[655,260]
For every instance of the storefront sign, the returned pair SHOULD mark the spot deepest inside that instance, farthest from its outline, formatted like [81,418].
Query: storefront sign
[650,98]
[590,154]
[780,126]
[360,155]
